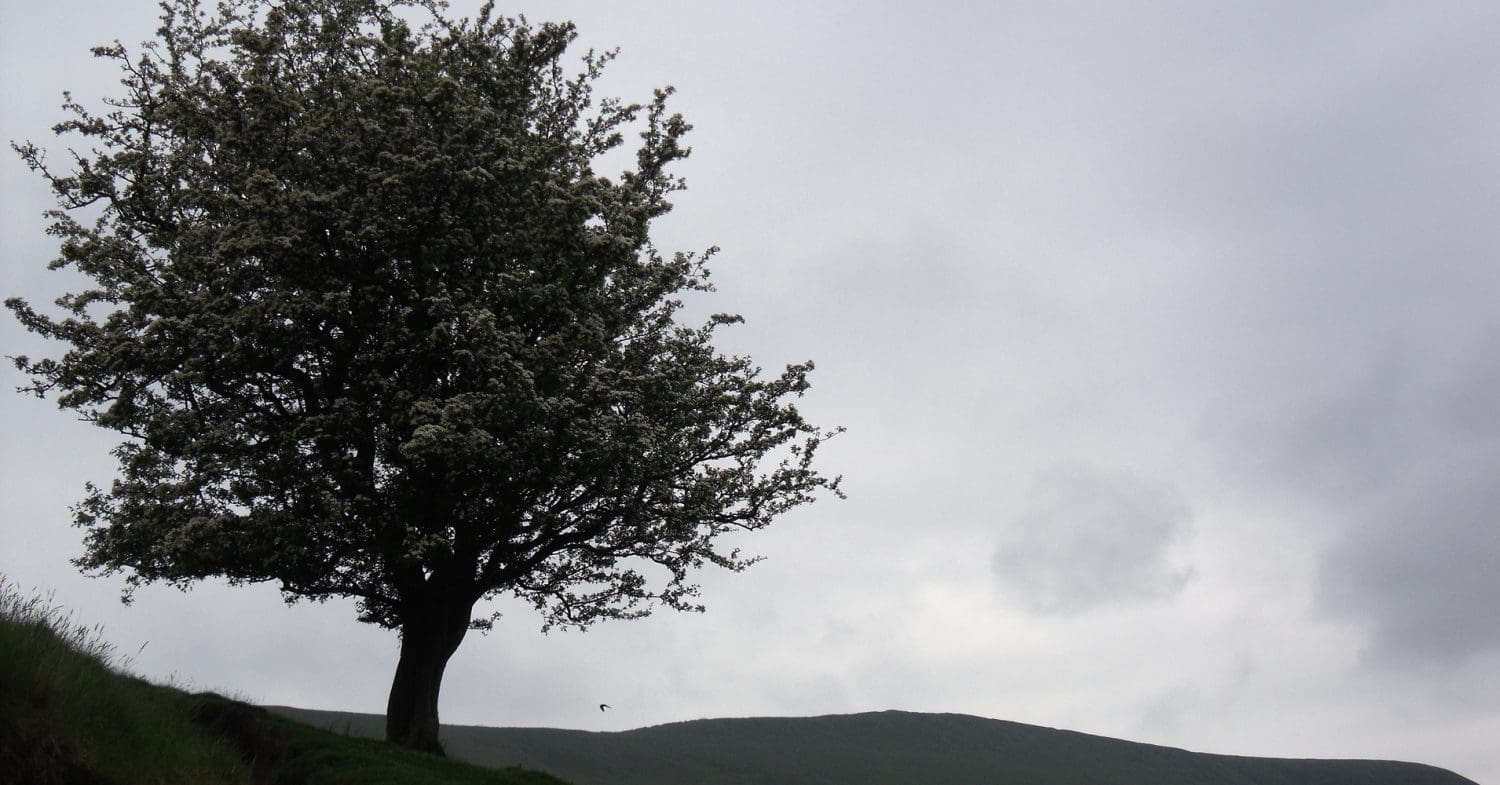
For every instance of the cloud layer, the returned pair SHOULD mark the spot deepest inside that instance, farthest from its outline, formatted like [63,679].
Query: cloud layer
[1166,337]
[1088,538]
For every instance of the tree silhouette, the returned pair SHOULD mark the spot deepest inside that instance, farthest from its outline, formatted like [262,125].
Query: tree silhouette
[373,327]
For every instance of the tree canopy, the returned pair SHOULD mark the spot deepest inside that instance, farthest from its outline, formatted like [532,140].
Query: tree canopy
[373,326]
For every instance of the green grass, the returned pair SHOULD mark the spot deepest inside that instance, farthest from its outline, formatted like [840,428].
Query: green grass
[70,715]
[67,715]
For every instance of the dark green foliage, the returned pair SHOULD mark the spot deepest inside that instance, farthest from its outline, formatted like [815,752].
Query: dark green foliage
[374,327]
[367,313]
[893,748]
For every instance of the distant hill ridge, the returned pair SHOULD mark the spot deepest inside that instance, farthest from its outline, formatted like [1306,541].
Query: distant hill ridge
[876,748]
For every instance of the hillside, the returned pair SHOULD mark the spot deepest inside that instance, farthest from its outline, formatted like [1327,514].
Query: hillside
[69,715]
[883,748]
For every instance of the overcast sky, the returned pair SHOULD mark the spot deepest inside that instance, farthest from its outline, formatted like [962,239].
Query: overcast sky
[1166,334]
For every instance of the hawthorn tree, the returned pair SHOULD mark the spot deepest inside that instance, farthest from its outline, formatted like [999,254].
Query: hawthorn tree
[372,326]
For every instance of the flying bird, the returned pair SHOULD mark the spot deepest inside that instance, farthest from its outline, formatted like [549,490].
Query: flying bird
[603,706]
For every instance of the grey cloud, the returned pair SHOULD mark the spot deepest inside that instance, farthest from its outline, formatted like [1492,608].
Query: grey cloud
[1348,326]
[1423,574]
[1247,247]
[1397,460]
[1088,537]
[1171,708]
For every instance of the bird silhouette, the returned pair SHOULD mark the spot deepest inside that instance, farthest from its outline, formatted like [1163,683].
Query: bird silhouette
[603,706]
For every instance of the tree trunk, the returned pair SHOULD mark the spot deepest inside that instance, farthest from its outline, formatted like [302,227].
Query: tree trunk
[428,639]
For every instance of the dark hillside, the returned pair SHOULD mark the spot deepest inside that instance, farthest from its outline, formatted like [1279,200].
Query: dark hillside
[69,715]
[884,748]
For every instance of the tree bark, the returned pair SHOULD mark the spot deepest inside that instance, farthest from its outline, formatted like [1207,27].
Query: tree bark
[429,636]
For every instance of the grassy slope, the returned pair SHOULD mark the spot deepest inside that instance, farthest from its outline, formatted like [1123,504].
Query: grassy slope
[68,717]
[880,748]
[65,716]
